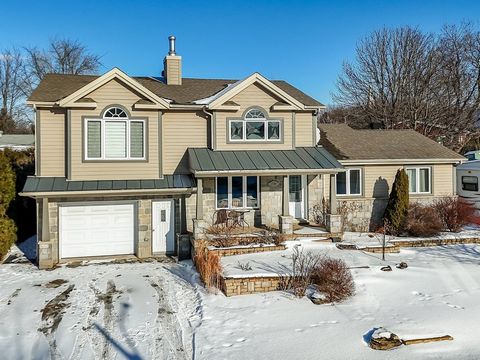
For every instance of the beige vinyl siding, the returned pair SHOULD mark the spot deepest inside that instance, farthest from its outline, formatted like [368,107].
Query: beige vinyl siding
[303,129]
[51,152]
[378,180]
[181,130]
[253,95]
[443,179]
[114,93]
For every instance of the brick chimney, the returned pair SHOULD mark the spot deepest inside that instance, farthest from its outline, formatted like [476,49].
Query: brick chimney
[172,65]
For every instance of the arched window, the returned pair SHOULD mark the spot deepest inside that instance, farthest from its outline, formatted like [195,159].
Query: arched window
[255,126]
[115,112]
[114,136]
[255,114]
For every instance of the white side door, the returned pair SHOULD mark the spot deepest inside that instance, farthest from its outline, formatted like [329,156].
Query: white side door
[163,239]
[297,196]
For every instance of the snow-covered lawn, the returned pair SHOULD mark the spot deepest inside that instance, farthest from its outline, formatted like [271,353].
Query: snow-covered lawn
[155,310]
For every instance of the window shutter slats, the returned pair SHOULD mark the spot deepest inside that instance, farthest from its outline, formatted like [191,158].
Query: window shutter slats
[136,139]
[94,139]
[115,139]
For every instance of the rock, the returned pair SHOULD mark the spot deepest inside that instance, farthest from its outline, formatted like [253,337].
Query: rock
[383,339]
[402,265]
[55,283]
[318,298]
[386,268]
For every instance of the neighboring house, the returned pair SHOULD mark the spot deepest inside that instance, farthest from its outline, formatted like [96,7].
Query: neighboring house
[371,159]
[16,141]
[126,163]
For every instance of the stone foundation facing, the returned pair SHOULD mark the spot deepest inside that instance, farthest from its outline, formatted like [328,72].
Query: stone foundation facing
[246,250]
[252,285]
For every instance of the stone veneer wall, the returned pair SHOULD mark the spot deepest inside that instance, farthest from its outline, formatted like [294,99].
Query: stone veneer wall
[367,213]
[234,286]
[271,189]
[48,251]
[315,194]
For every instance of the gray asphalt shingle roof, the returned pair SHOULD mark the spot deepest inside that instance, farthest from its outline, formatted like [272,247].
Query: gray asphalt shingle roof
[60,184]
[346,143]
[302,158]
[55,87]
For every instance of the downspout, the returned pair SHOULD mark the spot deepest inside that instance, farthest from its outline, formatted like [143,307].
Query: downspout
[212,130]
[35,149]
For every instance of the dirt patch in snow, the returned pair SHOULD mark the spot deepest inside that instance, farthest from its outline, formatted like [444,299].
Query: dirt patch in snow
[52,315]
[55,283]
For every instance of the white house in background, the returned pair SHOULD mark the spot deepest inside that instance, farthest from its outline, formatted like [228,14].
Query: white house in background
[16,141]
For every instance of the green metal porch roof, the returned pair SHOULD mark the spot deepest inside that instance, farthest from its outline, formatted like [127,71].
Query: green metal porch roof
[60,184]
[302,158]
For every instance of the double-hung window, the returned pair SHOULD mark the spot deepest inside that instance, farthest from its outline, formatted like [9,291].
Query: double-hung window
[114,137]
[349,182]
[237,192]
[254,127]
[419,180]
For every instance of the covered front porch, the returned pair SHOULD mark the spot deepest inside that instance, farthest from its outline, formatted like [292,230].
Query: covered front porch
[269,188]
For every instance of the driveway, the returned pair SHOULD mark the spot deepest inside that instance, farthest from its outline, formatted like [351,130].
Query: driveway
[98,311]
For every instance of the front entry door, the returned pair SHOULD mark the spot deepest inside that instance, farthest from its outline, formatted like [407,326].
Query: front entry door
[163,240]
[297,196]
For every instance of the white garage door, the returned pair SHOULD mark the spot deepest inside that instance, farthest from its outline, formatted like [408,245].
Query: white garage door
[96,230]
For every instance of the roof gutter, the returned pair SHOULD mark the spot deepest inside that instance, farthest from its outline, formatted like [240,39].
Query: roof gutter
[168,191]
[399,161]
[213,173]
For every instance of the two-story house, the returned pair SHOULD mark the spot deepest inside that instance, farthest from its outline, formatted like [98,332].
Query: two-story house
[124,163]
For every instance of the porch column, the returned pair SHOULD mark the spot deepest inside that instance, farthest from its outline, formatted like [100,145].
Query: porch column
[286,190]
[199,199]
[45,220]
[333,194]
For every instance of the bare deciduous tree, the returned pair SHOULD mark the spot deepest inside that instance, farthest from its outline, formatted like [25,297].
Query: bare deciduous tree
[11,77]
[63,56]
[404,78]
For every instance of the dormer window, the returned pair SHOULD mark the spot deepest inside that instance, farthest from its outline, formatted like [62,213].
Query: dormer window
[115,136]
[255,126]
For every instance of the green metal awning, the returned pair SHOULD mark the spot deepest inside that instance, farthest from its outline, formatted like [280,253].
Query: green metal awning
[34,186]
[204,161]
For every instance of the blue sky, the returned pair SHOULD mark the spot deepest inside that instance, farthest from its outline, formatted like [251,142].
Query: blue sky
[303,42]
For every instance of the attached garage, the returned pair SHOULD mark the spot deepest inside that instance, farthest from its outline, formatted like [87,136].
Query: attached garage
[96,230]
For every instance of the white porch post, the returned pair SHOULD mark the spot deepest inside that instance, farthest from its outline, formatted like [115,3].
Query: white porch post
[285,197]
[333,194]
[199,199]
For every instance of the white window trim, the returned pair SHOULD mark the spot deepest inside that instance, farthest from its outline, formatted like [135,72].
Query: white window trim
[244,130]
[244,194]
[417,180]
[102,138]
[347,185]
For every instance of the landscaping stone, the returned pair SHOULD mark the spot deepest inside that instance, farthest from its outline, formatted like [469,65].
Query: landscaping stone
[383,339]
[402,265]
[386,268]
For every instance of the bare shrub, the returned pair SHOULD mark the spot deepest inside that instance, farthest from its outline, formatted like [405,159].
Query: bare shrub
[304,264]
[455,213]
[244,266]
[208,265]
[274,237]
[223,235]
[333,279]
[422,220]
[319,212]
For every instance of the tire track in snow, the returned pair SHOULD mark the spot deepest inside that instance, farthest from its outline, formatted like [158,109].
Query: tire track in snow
[169,332]
[52,315]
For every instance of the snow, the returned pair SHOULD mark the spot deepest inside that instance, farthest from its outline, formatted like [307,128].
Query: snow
[278,263]
[361,239]
[155,310]
[208,100]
